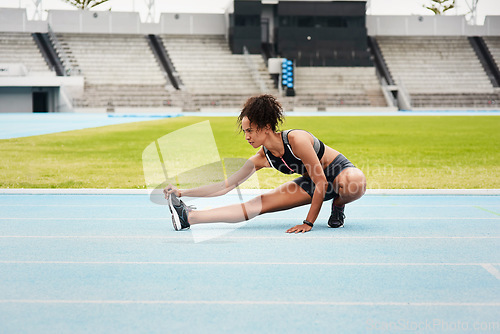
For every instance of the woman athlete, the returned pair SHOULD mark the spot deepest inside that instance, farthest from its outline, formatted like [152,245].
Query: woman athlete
[326,174]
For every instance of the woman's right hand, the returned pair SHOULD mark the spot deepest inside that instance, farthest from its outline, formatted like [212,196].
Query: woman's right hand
[171,189]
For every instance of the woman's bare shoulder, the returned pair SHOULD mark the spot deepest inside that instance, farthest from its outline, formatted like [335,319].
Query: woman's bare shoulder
[300,137]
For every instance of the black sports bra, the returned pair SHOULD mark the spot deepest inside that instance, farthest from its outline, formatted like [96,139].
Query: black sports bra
[289,163]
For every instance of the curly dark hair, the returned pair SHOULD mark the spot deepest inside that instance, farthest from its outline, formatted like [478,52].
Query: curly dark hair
[263,110]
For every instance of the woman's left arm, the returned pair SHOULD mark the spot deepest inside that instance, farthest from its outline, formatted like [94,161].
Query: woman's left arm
[303,148]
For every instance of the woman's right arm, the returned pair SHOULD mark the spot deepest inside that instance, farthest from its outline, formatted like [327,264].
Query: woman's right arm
[252,165]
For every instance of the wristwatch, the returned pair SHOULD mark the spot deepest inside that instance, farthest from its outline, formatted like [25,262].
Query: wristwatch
[308,223]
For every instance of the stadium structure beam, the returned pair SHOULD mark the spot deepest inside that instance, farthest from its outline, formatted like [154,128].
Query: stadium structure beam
[151,11]
[38,15]
[472,4]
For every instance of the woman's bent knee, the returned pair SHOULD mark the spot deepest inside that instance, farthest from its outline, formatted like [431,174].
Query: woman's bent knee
[353,184]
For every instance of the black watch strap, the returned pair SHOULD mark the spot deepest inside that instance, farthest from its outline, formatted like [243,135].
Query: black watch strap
[308,223]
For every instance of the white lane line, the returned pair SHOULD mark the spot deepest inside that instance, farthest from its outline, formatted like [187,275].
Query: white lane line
[287,237]
[492,270]
[255,219]
[248,263]
[244,302]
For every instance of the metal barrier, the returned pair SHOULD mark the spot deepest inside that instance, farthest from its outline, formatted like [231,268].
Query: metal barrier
[69,69]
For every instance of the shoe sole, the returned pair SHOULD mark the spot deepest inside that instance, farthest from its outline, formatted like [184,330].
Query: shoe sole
[175,217]
[337,226]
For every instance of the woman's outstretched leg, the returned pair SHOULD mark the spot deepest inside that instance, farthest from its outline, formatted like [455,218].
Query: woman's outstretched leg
[286,196]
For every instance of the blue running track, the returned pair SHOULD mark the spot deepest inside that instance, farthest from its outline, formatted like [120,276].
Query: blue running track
[113,264]
[24,125]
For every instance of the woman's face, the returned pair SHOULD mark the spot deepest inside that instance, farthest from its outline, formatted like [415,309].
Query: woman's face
[253,136]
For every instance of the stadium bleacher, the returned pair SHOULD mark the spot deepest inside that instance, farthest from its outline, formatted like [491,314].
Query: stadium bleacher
[338,86]
[211,74]
[119,70]
[19,47]
[438,71]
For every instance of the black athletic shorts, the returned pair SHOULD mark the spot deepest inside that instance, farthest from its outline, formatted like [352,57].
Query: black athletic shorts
[331,172]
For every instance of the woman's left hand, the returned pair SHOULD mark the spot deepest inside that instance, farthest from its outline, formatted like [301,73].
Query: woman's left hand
[299,229]
[171,189]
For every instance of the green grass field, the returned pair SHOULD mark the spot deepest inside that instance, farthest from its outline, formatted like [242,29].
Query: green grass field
[394,152]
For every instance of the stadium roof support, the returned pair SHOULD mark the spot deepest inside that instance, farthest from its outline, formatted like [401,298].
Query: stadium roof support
[472,4]
[151,11]
[38,10]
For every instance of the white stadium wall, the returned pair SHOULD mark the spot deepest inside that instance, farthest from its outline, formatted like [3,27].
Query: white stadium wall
[189,23]
[94,22]
[99,22]
[73,21]
[420,25]
[16,92]
[16,99]
[16,20]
